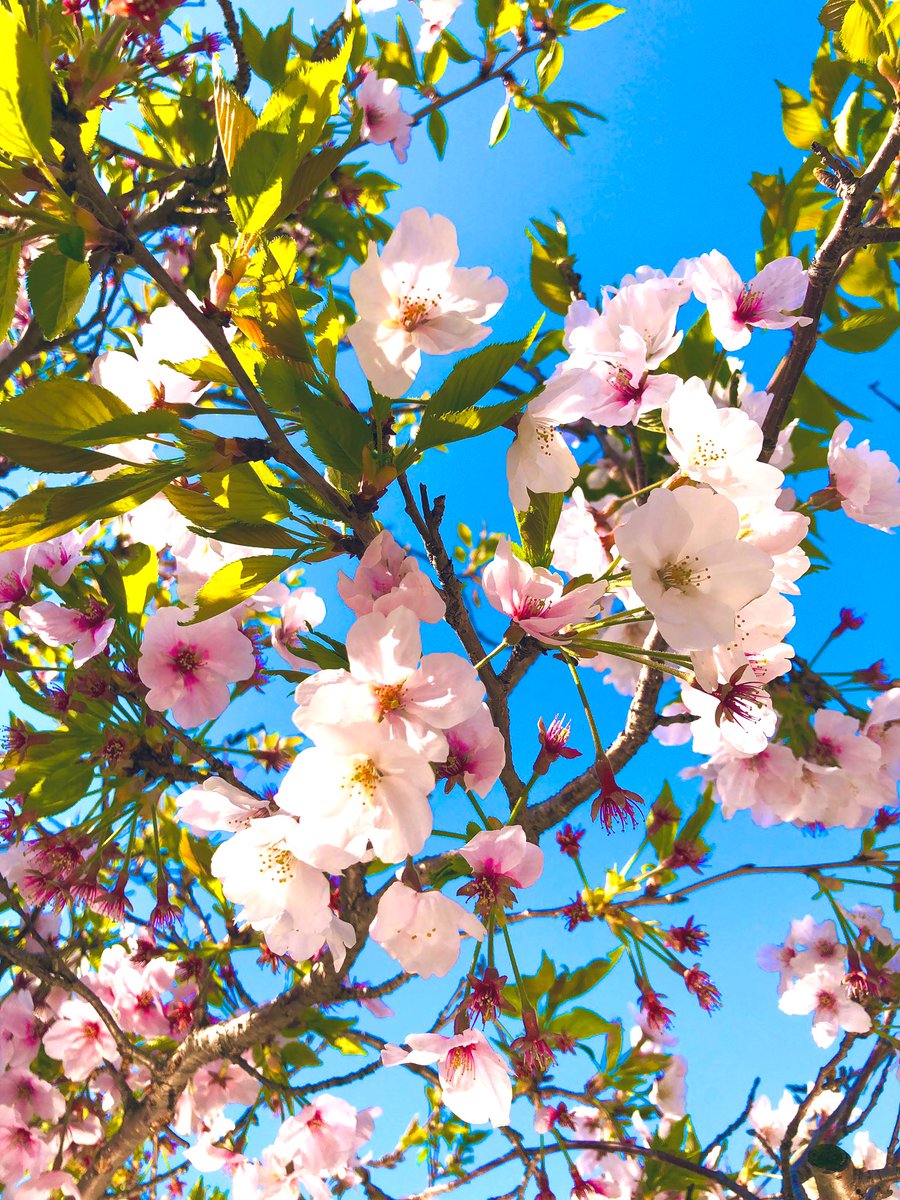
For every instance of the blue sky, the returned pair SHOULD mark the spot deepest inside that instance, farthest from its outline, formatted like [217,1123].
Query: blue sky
[688,89]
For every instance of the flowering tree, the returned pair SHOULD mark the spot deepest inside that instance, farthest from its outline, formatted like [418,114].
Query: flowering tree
[213,342]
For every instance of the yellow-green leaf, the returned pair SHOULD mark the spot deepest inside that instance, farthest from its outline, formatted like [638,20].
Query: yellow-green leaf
[25,88]
[57,288]
[593,15]
[858,33]
[802,124]
[236,582]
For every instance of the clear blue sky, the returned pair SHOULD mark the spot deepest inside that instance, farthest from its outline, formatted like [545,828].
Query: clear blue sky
[688,90]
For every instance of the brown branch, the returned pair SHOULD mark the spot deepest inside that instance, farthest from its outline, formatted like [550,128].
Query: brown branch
[824,269]
[242,79]
[428,526]
[639,725]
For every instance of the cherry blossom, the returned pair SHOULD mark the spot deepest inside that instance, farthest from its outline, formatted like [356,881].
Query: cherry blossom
[384,121]
[475,754]
[578,548]
[475,1083]
[822,993]
[736,308]
[436,16]
[866,481]
[188,668]
[80,1039]
[23,1149]
[638,318]
[30,1096]
[358,792]
[390,682]
[388,578]
[15,576]
[717,446]
[303,610]
[215,806]
[688,566]
[86,631]
[534,598]
[500,859]
[422,930]
[263,868]
[413,298]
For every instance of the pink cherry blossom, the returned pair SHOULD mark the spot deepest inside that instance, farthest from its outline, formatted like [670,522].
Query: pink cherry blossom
[388,578]
[436,16]
[413,298]
[80,1039]
[577,546]
[358,792]
[211,1089]
[637,322]
[781,959]
[215,806]
[717,446]
[771,1123]
[476,754]
[390,682]
[822,993]
[23,1150]
[735,308]
[323,1137]
[866,481]
[188,668]
[533,597]
[303,610]
[688,566]
[30,1096]
[383,119]
[263,868]
[60,556]
[822,945]
[422,930]
[15,576]
[504,852]
[87,632]
[39,1187]
[20,1030]
[768,784]
[474,1079]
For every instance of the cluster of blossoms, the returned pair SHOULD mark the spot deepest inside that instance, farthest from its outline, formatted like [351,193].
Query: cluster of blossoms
[821,975]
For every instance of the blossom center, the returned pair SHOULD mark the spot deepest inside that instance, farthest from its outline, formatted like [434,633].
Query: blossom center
[684,574]
[415,310]
[459,1063]
[389,697]
[749,306]
[277,862]
[363,779]
[187,659]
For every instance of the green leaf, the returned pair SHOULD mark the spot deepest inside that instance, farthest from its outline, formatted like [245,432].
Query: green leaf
[59,408]
[438,131]
[499,125]
[859,35]
[548,63]
[570,984]
[25,90]
[864,331]
[235,120]
[580,1023]
[329,331]
[802,124]
[848,122]
[593,15]
[9,284]
[538,525]
[268,55]
[48,512]
[236,582]
[336,433]
[53,458]
[57,288]
[475,376]
[451,415]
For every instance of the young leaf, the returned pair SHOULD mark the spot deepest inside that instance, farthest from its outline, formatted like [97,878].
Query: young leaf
[57,288]
[9,284]
[438,132]
[236,582]
[538,525]
[25,90]
[802,124]
[593,15]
